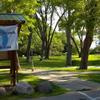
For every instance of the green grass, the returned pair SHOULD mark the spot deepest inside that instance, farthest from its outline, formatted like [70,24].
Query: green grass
[94,60]
[5,78]
[58,63]
[33,80]
[54,63]
[90,77]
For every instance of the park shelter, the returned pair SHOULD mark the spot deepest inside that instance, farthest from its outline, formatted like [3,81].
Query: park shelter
[9,20]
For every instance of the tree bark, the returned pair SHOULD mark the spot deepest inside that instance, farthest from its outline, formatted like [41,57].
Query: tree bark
[80,36]
[69,45]
[69,48]
[85,51]
[47,52]
[81,47]
[29,44]
[90,25]
[43,49]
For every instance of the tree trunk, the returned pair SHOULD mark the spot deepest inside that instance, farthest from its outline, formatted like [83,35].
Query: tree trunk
[29,44]
[81,47]
[68,36]
[85,51]
[43,48]
[47,52]
[69,48]
[76,46]
[90,25]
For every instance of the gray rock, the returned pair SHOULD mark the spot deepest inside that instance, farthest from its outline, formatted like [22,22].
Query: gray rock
[23,88]
[2,91]
[9,90]
[44,87]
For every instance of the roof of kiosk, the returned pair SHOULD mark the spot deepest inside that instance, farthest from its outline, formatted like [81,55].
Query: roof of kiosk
[10,18]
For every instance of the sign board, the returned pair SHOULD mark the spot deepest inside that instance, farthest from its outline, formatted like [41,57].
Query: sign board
[3,55]
[8,38]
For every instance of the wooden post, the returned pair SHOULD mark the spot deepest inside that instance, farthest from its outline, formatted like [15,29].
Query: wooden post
[14,67]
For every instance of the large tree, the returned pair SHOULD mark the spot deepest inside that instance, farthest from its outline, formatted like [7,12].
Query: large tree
[72,9]
[91,12]
[45,25]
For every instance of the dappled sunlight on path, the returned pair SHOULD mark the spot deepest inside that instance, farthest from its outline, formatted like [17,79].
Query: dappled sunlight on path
[80,89]
[68,79]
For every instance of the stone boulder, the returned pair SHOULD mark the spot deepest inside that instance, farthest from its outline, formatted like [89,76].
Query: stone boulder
[23,88]
[10,90]
[44,87]
[2,91]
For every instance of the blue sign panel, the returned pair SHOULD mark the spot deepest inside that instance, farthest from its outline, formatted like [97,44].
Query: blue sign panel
[8,38]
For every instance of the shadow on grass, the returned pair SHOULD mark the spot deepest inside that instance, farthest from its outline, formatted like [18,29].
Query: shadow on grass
[33,80]
[51,63]
[5,78]
[58,62]
[90,63]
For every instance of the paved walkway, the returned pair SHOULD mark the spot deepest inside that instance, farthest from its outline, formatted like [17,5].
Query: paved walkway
[68,79]
[82,90]
[71,96]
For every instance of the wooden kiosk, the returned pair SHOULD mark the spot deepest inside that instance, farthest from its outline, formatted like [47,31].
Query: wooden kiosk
[10,20]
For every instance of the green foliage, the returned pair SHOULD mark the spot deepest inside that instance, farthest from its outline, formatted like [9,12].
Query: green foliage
[90,14]
[36,43]
[58,43]
[84,14]
[22,40]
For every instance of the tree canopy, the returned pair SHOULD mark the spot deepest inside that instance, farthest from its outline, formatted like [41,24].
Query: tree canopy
[51,24]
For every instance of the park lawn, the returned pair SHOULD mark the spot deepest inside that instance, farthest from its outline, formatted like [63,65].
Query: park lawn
[33,80]
[58,63]
[54,63]
[94,60]
[90,77]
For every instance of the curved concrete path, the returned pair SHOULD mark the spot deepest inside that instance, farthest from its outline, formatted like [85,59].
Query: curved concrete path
[68,79]
[82,90]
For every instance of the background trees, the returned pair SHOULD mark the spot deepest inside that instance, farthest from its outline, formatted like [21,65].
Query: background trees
[77,21]
[45,25]
[68,23]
